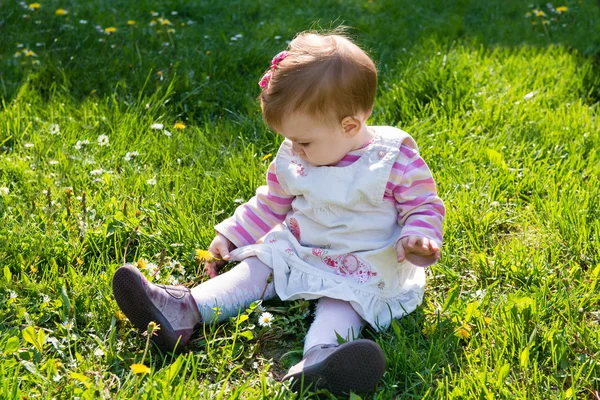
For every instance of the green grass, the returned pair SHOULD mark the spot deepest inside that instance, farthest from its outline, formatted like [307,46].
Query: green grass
[504,111]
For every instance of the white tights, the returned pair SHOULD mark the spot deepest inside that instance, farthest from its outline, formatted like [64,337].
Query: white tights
[234,290]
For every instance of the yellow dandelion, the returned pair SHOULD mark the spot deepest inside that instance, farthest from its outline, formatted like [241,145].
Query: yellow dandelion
[33,268]
[151,330]
[34,6]
[131,22]
[110,29]
[30,53]
[429,329]
[266,156]
[164,21]
[61,11]
[204,255]
[487,320]
[139,369]
[464,332]
[120,317]
[141,263]
[562,9]
[179,126]
[545,22]
[79,261]
[539,13]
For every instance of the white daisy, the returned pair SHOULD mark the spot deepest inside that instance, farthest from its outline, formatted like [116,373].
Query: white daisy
[151,181]
[102,140]
[53,162]
[157,126]
[265,319]
[96,172]
[28,145]
[261,308]
[166,132]
[151,268]
[13,295]
[54,129]
[130,155]
[4,191]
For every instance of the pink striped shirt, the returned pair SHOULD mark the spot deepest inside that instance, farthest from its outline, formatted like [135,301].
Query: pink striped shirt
[410,185]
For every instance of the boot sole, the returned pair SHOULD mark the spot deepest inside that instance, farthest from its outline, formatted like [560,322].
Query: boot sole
[355,366]
[132,299]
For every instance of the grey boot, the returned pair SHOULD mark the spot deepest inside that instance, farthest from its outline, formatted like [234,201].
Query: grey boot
[354,366]
[173,307]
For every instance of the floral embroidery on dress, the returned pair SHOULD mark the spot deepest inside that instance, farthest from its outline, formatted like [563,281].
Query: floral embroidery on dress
[289,251]
[347,265]
[299,169]
[294,228]
[381,285]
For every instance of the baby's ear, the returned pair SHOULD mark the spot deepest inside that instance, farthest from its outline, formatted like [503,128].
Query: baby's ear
[351,126]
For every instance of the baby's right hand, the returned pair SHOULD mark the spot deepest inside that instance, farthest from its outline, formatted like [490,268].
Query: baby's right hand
[220,248]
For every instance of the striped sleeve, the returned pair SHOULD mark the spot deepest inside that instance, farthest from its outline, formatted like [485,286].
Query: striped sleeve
[420,211]
[254,219]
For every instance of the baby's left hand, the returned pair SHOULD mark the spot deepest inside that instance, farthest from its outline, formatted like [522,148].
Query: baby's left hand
[419,246]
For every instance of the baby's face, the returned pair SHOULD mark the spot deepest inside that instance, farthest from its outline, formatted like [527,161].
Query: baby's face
[314,141]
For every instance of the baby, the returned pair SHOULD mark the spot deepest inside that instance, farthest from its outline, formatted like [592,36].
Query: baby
[349,215]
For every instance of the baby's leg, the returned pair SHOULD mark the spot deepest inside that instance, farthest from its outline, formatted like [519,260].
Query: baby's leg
[178,310]
[333,316]
[234,290]
[355,366]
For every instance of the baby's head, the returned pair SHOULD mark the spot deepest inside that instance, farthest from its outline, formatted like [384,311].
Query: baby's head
[322,84]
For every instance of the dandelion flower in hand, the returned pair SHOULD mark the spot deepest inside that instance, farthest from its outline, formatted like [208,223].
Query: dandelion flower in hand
[266,319]
[205,255]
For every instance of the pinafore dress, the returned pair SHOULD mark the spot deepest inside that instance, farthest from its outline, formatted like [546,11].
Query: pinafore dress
[338,240]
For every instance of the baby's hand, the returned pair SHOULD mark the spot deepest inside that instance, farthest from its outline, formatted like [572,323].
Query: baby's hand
[220,248]
[419,246]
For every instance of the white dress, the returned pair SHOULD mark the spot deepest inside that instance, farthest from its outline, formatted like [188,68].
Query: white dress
[338,240]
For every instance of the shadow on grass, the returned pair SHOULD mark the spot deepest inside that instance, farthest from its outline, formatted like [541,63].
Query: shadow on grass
[213,73]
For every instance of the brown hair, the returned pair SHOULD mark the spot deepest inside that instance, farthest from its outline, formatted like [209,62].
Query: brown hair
[324,75]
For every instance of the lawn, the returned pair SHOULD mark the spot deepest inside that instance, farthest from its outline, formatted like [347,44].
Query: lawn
[129,129]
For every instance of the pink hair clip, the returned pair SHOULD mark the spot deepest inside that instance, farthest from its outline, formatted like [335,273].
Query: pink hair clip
[278,58]
[264,82]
